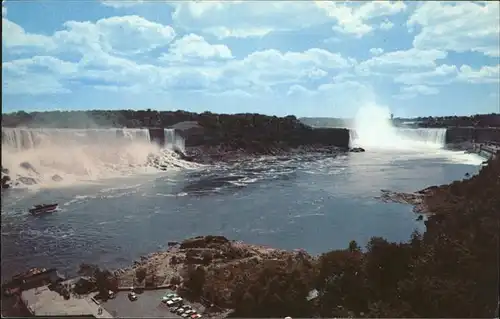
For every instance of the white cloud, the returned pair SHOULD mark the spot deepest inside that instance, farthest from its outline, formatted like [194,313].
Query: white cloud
[332,40]
[410,92]
[224,32]
[446,74]
[443,74]
[34,84]
[341,98]
[46,63]
[404,96]
[134,34]
[334,90]
[376,51]
[458,26]
[14,36]
[115,54]
[354,20]
[271,67]
[386,25]
[400,61]
[193,46]
[118,35]
[259,71]
[258,18]
[246,18]
[121,3]
[137,89]
[486,74]
[420,89]
[38,75]
[237,93]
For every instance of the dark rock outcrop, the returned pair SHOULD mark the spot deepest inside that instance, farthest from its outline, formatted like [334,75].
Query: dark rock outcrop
[181,155]
[27,166]
[27,180]
[204,242]
[5,178]
[5,181]
[357,150]
[57,178]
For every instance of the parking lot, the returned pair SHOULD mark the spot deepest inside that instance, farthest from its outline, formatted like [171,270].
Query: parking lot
[148,305]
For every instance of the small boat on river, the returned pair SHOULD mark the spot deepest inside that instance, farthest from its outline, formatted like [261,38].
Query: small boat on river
[43,209]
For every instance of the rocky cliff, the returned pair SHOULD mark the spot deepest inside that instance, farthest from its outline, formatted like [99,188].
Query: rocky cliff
[472,134]
[217,270]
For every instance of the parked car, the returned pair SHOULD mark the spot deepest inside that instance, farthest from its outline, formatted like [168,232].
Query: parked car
[195,316]
[132,296]
[168,296]
[174,301]
[175,308]
[181,310]
[188,313]
[111,295]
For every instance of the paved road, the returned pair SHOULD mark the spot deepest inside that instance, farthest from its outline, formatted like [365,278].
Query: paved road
[148,305]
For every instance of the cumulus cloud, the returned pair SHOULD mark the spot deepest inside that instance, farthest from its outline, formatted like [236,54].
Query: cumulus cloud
[400,61]
[355,20]
[133,55]
[386,25]
[133,34]
[442,74]
[485,74]
[340,98]
[193,46]
[457,26]
[14,36]
[256,18]
[245,18]
[119,35]
[271,67]
[447,74]
[35,84]
[47,63]
[107,62]
[410,92]
[376,51]
[121,3]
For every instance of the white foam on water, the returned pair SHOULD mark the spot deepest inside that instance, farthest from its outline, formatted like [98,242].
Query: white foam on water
[61,157]
[374,131]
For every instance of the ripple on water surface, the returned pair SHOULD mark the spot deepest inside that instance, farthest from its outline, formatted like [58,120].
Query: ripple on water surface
[315,202]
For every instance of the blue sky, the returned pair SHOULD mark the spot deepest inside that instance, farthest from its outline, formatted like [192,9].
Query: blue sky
[307,58]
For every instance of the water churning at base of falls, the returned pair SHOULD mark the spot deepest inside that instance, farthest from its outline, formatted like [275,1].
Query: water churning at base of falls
[373,129]
[59,156]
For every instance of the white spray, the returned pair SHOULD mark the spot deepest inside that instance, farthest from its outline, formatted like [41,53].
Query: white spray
[66,156]
[373,129]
